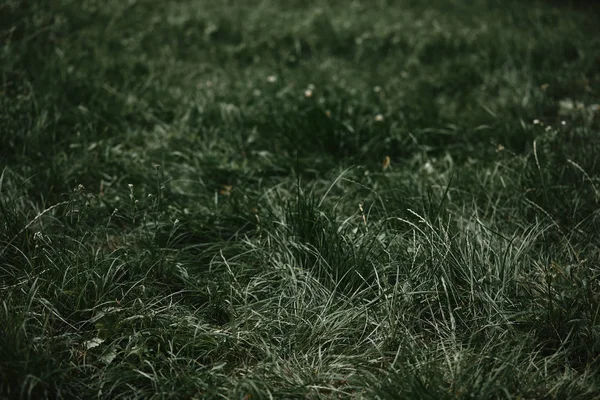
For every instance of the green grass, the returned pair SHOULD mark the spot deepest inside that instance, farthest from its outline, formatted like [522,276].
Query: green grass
[195,202]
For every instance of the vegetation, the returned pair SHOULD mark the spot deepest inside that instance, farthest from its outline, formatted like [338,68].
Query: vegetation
[299,199]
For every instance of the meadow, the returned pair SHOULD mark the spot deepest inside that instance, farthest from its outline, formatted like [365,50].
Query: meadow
[330,199]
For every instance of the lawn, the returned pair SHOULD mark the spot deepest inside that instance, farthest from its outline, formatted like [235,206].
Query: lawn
[267,199]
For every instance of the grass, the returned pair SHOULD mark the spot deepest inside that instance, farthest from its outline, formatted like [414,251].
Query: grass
[330,199]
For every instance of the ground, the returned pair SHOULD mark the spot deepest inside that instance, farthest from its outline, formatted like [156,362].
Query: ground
[299,199]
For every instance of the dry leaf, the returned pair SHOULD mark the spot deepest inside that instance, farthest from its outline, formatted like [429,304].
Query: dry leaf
[386,162]
[226,190]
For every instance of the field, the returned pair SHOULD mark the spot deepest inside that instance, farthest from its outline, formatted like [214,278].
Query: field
[299,199]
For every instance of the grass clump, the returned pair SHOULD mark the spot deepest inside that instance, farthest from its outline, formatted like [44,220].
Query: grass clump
[287,200]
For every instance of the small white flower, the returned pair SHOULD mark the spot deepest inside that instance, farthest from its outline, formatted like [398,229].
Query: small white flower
[271,79]
[536,121]
[428,167]
[377,89]
[308,93]
[563,123]
[548,128]
[379,118]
